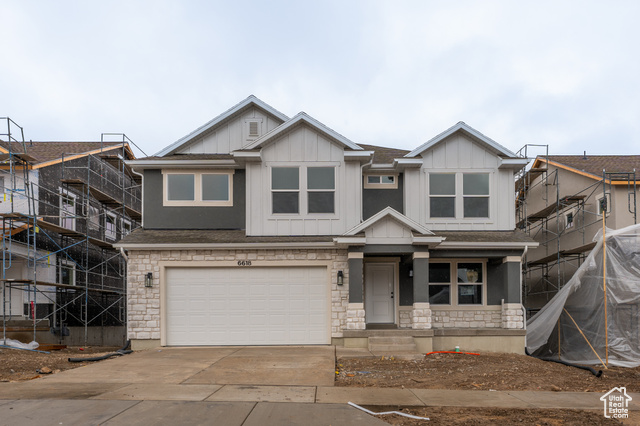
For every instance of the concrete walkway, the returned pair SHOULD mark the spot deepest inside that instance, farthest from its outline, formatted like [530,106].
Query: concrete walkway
[236,386]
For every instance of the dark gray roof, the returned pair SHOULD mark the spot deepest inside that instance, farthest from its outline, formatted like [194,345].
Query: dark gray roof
[42,152]
[190,157]
[199,236]
[384,155]
[515,236]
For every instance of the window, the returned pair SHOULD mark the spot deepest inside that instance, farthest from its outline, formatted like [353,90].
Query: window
[126,227]
[381,181]
[459,195]
[464,279]
[288,198]
[201,188]
[68,211]
[285,189]
[604,203]
[110,226]
[569,220]
[67,272]
[321,186]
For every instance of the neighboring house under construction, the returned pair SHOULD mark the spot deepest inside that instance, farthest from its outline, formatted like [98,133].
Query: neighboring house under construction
[562,202]
[63,205]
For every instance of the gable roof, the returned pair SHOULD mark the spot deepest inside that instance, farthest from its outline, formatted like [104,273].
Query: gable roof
[592,165]
[470,132]
[302,118]
[42,154]
[236,109]
[389,212]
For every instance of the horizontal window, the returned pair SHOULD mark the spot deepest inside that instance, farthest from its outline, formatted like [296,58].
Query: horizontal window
[198,188]
[456,282]
[381,181]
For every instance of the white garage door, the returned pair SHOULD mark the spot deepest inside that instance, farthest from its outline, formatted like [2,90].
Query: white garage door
[247,306]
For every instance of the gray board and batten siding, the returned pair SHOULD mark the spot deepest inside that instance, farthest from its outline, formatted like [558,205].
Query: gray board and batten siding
[158,216]
[375,200]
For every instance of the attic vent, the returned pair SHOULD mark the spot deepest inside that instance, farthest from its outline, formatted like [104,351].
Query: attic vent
[253,128]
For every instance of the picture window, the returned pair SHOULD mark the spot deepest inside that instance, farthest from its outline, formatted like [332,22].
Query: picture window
[201,188]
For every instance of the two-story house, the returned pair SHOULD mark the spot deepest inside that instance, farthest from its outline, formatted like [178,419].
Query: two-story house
[63,205]
[564,200]
[262,229]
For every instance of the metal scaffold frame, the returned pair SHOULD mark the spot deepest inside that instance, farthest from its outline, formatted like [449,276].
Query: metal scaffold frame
[546,275]
[67,222]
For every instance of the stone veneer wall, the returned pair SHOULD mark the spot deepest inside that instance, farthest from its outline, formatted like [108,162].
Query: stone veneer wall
[143,303]
[467,318]
[405,316]
[512,315]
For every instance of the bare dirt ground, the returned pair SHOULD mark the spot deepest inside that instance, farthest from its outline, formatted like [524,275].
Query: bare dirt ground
[484,372]
[20,365]
[487,371]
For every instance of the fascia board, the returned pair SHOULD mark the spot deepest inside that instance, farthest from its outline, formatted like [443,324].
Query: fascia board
[247,155]
[186,246]
[351,241]
[428,240]
[220,118]
[468,129]
[513,163]
[486,245]
[408,162]
[180,164]
[299,118]
[357,155]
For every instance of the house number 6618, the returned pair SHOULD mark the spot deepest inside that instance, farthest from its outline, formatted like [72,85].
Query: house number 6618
[244,263]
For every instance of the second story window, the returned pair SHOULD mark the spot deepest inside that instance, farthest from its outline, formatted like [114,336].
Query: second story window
[321,187]
[202,188]
[459,195]
[285,189]
[303,190]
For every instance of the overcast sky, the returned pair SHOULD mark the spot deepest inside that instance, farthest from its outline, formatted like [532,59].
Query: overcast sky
[390,73]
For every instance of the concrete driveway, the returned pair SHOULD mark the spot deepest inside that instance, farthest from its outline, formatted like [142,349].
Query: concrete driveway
[281,366]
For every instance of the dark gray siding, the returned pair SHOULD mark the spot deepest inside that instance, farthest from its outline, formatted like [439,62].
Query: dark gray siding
[156,216]
[374,200]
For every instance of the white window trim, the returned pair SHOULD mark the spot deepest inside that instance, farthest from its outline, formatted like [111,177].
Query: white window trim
[302,190]
[459,196]
[112,235]
[66,264]
[369,185]
[571,225]
[453,264]
[64,193]
[124,222]
[599,199]
[198,201]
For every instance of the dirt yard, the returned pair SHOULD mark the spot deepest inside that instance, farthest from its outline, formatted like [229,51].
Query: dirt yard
[19,365]
[484,372]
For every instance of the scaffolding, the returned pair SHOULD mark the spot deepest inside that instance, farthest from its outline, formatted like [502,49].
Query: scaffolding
[59,223]
[560,209]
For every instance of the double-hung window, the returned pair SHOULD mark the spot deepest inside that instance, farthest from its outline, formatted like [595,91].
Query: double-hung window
[289,197]
[457,282]
[459,195]
[199,188]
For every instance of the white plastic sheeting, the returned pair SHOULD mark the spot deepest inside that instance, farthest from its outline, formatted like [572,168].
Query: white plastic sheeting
[572,324]
[18,344]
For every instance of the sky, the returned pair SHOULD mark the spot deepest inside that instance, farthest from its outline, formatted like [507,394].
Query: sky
[390,73]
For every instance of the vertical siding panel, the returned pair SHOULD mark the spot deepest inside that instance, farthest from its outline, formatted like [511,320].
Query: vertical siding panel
[297,227]
[464,153]
[324,226]
[222,142]
[451,152]
[351,198]
[281,147]
[336,152]
[427,160]
[438,156]
[477,160]
[324,149]
[296,148]
[234,135]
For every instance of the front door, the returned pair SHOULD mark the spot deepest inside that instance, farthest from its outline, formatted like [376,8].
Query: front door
[379,284]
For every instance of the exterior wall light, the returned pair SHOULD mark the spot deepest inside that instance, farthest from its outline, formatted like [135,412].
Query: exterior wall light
[148,280]
[340,278]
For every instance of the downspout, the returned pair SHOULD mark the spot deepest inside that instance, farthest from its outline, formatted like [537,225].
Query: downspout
[126,258]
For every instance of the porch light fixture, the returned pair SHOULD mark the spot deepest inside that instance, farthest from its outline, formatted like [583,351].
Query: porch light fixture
[340,278]
[410,272]
[148,280]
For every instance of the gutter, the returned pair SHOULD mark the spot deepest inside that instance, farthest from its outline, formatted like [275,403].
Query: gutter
[181,246]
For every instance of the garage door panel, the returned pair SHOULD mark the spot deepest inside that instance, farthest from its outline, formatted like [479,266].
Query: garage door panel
[256,305]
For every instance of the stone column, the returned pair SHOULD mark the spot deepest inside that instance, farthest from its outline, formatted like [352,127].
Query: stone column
[355,308]
[421,314]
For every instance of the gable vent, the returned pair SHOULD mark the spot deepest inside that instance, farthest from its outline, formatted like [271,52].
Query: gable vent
[253,128]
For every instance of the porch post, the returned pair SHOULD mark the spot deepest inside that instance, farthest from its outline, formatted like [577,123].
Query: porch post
[421,314]
[512,309]
[355,307]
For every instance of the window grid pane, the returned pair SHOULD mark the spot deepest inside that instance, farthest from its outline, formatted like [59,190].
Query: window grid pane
[181,187]
[321,178]
[442,184]
[476,207]
[321,202]
[215,187]
[475,184]
[469,294]
[442,207]
[285,202]
[285,178]
[440,294]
